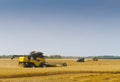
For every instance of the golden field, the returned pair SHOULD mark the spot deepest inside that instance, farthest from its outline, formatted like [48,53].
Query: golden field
[88,71]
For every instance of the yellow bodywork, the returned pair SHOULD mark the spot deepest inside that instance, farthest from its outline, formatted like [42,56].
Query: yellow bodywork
[36,61]
[23,59]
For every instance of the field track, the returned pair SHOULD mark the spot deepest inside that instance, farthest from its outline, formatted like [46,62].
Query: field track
[89,71]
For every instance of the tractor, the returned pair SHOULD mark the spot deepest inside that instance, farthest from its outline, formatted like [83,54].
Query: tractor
[81,60]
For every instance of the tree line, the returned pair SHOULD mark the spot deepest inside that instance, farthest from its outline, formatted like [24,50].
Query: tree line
[70,57]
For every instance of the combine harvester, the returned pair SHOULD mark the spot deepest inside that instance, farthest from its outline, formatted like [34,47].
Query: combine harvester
[35,59]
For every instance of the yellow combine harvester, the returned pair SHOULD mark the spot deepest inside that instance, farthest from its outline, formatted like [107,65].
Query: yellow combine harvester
[35,59]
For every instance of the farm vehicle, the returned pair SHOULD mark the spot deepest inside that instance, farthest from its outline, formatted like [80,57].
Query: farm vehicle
[35,59]
[81,60]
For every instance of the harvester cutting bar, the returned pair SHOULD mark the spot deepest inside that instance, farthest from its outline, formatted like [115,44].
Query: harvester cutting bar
[55,64]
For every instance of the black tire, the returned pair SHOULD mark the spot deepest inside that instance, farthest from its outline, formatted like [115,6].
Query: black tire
[32,65]
[42,65]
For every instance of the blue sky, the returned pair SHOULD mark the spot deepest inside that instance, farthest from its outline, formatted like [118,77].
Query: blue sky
[65,27]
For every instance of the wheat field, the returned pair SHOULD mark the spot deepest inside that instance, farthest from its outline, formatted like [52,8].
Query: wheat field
[88,71]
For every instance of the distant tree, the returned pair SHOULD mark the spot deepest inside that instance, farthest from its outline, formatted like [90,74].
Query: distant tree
[5,56]
[95,59]
[55,56]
